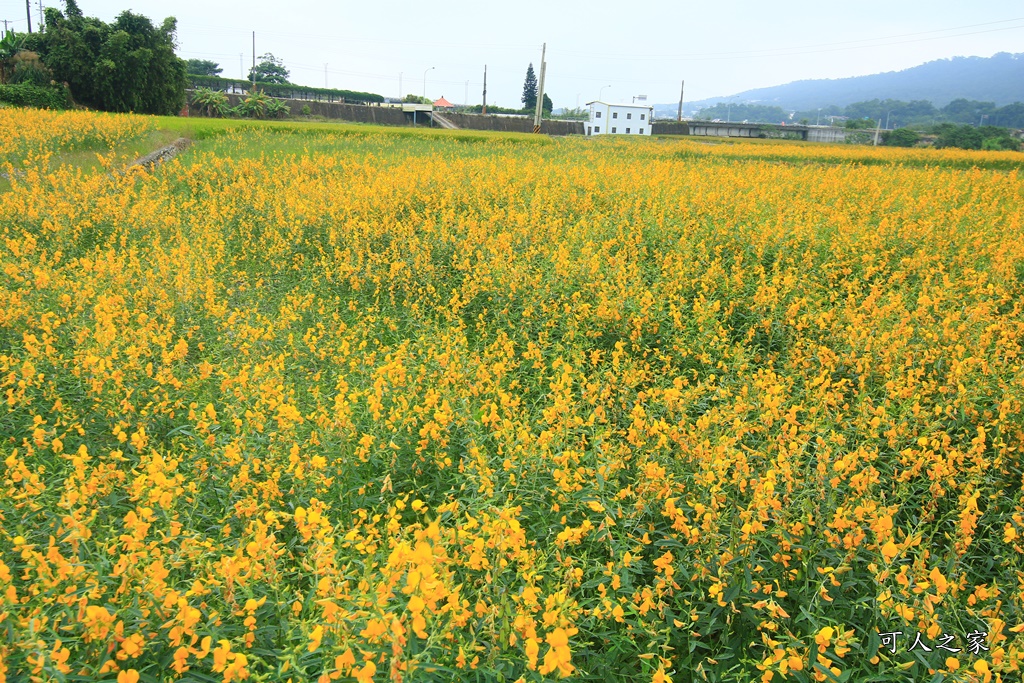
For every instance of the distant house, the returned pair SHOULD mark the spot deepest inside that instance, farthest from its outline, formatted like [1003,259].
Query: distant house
[619,119]
[443,103]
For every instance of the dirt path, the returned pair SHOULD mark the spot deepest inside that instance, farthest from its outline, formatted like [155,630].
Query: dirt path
[163,154]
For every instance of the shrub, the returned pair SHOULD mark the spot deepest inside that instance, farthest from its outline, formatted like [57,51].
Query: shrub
[277,109]
[901,137]
[972,137]
[305,110]
[254,106]
[210,102]
[29,95]
[29,69]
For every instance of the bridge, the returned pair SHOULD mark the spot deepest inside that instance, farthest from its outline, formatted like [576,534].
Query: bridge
[757,130]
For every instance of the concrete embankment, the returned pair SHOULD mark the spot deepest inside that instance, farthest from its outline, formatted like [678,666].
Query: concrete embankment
[394,116]
[518,124]
[670,128]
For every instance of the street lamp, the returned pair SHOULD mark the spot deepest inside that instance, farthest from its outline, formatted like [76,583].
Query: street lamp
[982,120]
[818,120]
[601,91]
[887,119]
[425,80]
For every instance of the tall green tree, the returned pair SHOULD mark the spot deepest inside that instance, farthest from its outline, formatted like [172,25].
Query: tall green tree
[203,67]
[530,89]
[128,65]
[269,70]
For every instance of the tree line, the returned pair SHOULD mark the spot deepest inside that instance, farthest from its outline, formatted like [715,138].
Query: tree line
[897,113]
[128,65]
[892,113]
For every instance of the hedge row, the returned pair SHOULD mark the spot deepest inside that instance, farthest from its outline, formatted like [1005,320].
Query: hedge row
[28,95]
[286,91]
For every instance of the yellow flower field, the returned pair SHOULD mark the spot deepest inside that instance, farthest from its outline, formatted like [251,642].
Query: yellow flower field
[309,406]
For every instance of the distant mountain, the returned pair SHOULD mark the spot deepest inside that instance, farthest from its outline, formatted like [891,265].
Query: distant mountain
[998,79]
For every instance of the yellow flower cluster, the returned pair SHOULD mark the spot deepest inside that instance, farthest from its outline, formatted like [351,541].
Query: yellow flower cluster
[32,135]
[315,407]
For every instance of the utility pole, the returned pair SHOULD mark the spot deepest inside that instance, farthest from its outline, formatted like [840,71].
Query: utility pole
[540,90]
[253,62]
[28,14]
[425,80]
[40,15]
[5,27]
[679,116]
[484,109]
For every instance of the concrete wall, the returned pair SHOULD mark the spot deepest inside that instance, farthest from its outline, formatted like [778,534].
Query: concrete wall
[725,130]
[388,116]
[826,135]
[394,116]
[670,128]
[519,124]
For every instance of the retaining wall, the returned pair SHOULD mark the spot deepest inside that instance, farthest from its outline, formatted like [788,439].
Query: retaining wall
[670,128]
[517,124]
[394,116]
[360,113]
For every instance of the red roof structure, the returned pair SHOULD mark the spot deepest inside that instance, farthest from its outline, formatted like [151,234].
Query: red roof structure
[443,103]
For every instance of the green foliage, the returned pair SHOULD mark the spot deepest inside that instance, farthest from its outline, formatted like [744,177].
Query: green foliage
[269,70]
[416,99]
[529,98]
[755,113]
[259,105]
[901,137]
[974,137]
[860,124]
[967,111]
[491,109]
[128,65]
[548,105]
[10,45]
[1010,116]
[286,91]
[277,109]
[305,110]
[29,95]
[28,68]
[203,67]
[210,102]
[922,112]
[572,114]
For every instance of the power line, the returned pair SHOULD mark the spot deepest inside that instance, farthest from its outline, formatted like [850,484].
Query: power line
[804,49]
[360,38]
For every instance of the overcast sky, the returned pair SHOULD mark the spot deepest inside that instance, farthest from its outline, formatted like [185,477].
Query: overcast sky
[645,48]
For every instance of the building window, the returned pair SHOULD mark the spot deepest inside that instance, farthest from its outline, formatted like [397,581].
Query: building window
[613,129]
[629,116]
[615,114]
[641,131]
[597,115]
[597,129]
[641,117]
[627,130]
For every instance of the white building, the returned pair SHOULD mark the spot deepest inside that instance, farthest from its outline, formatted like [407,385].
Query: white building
[619,119]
